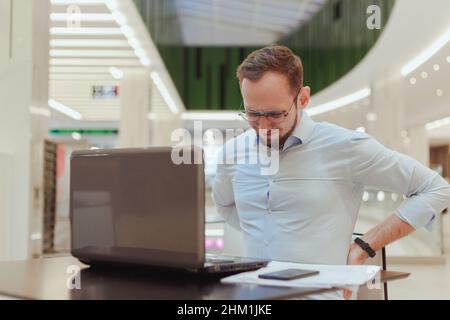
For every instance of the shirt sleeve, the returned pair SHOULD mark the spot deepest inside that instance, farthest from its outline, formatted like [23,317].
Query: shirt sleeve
[427,193]
[223,195]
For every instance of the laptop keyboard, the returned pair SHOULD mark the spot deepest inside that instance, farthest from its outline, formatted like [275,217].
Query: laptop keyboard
[218,260]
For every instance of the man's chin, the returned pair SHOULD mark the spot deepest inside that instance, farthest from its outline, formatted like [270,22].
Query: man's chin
[270,141]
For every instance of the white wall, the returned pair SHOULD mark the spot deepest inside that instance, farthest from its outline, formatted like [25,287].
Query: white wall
[163,127]
[134,108]
[401,107]
[23,83]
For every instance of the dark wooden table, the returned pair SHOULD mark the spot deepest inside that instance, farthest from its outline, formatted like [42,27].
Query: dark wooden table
[49,279]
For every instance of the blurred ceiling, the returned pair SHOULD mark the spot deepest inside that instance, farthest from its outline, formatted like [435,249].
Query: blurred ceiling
[93,43]
[79,61]
[425,92]
[242,22]
[90,38]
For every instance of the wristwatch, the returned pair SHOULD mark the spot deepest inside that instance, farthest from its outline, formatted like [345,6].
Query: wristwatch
[365,246]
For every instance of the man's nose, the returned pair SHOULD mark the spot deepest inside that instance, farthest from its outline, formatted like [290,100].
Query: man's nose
[264,123]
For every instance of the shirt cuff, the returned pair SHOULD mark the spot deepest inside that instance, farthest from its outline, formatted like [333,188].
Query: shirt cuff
[417,212]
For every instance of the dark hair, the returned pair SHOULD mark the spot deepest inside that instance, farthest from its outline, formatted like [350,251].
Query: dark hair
[275,58]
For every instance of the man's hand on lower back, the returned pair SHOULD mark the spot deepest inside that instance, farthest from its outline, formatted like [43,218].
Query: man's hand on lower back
[356,256]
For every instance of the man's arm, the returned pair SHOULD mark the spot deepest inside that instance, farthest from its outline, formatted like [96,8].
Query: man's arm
[390,230]
[223,195]
[427,193]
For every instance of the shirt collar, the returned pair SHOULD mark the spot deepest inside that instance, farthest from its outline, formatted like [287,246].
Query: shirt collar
[304,128]
[301,132]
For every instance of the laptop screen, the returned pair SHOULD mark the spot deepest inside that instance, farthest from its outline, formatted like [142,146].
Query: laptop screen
[136,206]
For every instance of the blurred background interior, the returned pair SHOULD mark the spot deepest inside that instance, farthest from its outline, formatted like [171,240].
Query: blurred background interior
[80,74]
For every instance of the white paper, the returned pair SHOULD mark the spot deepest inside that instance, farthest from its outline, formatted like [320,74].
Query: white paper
[340,276]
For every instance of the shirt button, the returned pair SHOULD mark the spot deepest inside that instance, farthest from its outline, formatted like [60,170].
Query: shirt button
[266,242]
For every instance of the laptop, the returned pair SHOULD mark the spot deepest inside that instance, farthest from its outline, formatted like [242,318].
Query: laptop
[137,207]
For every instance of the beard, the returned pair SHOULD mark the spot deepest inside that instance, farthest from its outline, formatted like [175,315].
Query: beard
[282,140]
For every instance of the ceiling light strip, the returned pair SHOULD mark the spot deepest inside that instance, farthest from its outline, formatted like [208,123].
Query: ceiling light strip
[340,102]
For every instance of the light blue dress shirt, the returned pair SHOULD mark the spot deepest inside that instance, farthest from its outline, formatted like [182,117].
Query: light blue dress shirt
[307,211]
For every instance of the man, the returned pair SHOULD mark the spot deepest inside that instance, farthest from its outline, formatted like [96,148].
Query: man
[306,212]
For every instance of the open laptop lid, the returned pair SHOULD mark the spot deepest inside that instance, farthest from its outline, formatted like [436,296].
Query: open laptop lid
[136,206]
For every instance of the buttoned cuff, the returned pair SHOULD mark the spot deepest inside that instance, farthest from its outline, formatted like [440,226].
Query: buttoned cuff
[417,212]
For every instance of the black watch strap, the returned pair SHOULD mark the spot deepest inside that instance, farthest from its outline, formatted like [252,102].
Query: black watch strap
[365,246]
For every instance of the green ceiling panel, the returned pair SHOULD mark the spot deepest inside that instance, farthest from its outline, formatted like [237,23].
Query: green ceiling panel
[333,42]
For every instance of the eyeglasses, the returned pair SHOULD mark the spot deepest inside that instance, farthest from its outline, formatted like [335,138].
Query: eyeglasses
[273,116]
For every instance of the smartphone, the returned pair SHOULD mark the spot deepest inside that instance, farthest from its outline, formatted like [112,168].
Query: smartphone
[288,274]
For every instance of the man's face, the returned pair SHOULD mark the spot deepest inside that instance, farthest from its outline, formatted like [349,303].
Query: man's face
[272,92]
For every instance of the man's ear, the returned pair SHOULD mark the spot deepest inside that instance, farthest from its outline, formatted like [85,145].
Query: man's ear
[304,97]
